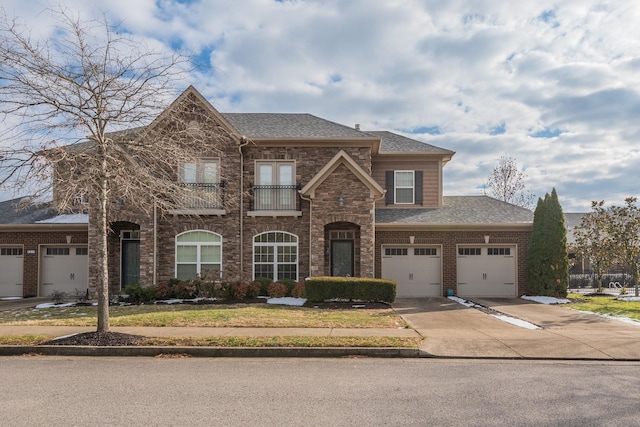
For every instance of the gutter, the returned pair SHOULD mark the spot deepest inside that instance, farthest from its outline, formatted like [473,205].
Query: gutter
[243,141]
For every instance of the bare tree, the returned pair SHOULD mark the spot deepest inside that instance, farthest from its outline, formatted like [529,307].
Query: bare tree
[506,183]
[593,241]
[66,101]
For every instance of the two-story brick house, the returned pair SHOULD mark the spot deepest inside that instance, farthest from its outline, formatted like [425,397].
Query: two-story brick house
[311,197]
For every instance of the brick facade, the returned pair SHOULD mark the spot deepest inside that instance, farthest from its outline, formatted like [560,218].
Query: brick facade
[449,240]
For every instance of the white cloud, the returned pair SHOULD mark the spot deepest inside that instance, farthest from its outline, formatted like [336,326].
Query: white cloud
[568,71]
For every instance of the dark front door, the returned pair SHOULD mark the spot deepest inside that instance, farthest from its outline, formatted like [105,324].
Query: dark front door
[130,263]
[342,258]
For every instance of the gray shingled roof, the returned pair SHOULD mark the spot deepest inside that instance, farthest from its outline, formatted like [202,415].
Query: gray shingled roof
[276,125]
[459,210]
[20,211]
[394,143]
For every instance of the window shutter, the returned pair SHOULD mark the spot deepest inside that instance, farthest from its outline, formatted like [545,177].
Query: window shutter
[389,186]
[418,187]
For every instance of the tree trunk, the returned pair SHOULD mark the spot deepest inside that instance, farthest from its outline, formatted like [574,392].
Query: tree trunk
[101,250]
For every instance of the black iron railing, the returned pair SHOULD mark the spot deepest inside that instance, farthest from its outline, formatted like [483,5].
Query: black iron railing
[203,196]
[275,198]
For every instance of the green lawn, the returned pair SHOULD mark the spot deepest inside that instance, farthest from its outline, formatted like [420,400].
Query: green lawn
[606,305]
[239,315]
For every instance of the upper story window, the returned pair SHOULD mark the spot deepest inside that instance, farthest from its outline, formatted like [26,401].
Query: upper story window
[275,187]
[203,188]
[404,187]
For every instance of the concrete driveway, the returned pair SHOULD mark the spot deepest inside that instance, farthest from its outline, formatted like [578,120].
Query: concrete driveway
[452,330]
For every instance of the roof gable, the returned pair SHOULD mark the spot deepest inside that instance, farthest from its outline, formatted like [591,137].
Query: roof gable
[342,158]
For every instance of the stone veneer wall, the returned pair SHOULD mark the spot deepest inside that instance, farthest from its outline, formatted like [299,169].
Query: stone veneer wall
[449,240]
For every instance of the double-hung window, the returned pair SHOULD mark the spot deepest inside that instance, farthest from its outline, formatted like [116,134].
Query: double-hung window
[275,187]
[404,187]
[201,180]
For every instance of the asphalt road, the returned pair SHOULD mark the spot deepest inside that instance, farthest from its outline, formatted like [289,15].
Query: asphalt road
[77,391]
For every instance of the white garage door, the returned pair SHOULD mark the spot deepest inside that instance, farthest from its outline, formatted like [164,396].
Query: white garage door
[64,269]
[487,271]
[416,270]
[11,266]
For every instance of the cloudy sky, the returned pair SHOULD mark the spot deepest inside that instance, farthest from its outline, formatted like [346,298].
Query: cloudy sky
[553,84]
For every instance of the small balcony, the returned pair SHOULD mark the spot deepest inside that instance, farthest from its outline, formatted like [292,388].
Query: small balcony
[207,199]
[275,200]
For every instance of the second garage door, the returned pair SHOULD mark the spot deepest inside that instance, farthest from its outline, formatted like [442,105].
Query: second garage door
[63,269]
[416,270]
[487,271]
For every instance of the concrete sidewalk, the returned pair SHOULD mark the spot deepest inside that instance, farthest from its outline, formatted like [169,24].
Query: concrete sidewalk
[452,330]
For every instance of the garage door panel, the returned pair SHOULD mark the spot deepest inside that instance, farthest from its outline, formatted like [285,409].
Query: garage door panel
[416,270]
[64,269]
[11,268]
[487,271]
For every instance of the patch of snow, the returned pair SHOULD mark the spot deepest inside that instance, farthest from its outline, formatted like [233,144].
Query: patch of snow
[10,298]
[609,316]
[64,336]
[516,322]
[546,300]
[53,305]
[287,301]
[629,299]
[170,301]
[508,319]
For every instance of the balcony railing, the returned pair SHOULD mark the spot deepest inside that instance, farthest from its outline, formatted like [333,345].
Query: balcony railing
[203,196]
[275,198]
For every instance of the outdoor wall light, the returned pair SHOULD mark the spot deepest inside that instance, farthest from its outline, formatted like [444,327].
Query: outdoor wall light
[341,200]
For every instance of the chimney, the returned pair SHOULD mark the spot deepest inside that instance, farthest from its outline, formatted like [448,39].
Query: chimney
[357,126]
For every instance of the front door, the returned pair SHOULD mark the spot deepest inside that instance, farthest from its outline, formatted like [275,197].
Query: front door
[130,263]
[342,258]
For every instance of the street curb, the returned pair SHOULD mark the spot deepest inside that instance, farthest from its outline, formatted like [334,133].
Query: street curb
[154,351]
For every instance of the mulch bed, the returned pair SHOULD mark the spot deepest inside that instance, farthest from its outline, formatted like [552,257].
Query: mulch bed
[98,339]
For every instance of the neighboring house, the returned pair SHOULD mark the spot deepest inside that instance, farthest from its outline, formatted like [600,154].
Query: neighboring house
[318,198]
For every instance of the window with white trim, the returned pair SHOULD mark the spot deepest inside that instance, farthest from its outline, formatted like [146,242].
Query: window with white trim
[201,180]
[275,255]
[275,187]
[197,252]
[404,187]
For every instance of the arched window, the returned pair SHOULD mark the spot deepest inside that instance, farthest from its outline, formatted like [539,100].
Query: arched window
[275,255]
[197,252]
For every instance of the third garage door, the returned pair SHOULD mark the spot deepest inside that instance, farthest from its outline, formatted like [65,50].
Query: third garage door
[487,271]
[416,270]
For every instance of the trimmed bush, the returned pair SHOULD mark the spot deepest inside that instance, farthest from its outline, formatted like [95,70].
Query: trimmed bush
[277,290]
[135,294]
[253,290]
[318,289]
[298,290]
[289,283]
[264,285]
[239,290]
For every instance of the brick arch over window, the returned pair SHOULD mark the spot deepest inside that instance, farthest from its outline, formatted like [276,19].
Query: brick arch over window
[197,253]
[275,255]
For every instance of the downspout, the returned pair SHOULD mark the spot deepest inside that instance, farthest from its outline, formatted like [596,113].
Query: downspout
[243,141]
[155,242]
[310,200]
[384,193]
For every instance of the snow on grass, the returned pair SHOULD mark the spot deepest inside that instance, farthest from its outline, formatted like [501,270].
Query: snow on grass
[10,298]
[546,300]
[298,302]
[53,305]
[629,299]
